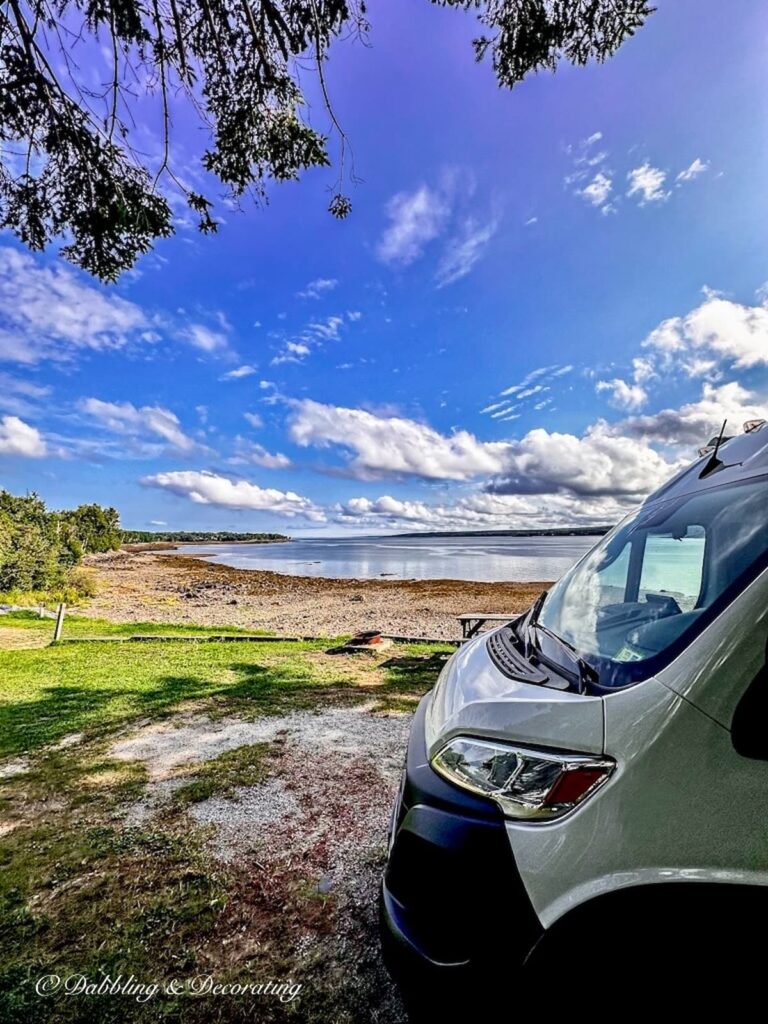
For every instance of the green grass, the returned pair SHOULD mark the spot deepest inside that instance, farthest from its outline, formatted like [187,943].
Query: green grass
[222,775]
[47,693]
[97,900]
[77,626]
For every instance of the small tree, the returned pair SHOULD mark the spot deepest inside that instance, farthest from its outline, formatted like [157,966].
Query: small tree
[93,528]
[69,162]
[31,555]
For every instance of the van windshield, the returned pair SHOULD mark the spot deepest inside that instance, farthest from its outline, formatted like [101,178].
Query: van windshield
[658,578]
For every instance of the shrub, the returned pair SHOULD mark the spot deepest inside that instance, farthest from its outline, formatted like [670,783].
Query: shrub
[39,549]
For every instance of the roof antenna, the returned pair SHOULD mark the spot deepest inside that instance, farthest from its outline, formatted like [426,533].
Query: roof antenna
[713,462]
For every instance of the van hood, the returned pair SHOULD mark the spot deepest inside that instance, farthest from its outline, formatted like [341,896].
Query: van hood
[472,697]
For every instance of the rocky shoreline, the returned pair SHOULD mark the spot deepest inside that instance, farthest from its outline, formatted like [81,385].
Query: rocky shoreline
[153,587]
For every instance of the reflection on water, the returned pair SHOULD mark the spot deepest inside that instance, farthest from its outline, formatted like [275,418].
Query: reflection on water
[492,559]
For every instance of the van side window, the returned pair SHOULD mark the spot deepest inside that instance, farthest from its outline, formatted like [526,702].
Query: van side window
[674,566]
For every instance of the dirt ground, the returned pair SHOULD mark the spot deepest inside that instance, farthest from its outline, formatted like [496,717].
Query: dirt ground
[236,830]
[321,813]
[15,640]
[176,588]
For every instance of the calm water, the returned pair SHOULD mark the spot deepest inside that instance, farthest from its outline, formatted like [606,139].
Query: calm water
[458,558]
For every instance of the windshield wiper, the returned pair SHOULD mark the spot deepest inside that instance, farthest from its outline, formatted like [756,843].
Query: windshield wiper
[584,674]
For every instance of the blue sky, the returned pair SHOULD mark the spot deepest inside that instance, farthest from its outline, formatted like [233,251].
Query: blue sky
[542,302]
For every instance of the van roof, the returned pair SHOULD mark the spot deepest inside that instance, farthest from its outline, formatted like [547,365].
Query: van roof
[741,457]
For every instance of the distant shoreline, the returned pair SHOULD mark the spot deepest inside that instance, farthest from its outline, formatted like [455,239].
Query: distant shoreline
[556,531]
[174,545]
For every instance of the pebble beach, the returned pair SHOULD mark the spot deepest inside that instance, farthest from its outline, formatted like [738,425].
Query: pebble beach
[156,586]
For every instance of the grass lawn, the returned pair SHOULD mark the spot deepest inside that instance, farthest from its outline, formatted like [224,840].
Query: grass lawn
[78,626]
[83,891]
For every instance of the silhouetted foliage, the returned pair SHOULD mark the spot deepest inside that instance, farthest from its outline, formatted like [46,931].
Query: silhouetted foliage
[73,160]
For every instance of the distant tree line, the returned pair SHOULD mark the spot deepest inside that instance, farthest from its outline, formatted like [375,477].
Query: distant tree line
[197,537]
[40,549]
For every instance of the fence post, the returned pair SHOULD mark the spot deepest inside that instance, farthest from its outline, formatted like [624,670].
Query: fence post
[60,610]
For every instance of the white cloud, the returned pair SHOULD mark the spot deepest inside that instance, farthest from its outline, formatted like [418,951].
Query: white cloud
[588,179]
[237,374]
[19,438]
[206,339]
[126,418]
[598,191]
[418,218]
[643,369]
[694,423]
[698,366]
[20,397]
[392,445]
[477,512]
[50,313]
[505,409]
[464,250]
[205,488]
[556,370]
[328,329]
[553,478]
[415,219]
[693,170]
[530,392]
[622,394]
[502,409]
[598,463]
[314,335]
[320,286]
[257,455]
[717,328]
[495,405]
[291,352]
[254,419]
[647,182]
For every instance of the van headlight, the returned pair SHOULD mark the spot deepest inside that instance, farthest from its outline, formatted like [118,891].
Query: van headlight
[529,785]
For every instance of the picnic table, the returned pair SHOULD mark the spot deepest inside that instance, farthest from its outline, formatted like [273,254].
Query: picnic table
[473,622]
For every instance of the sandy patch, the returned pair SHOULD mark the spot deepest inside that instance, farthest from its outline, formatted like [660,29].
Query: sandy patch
[20,639]
[70,740]
[325,805]
[167,747]
[243,821]
[18,766]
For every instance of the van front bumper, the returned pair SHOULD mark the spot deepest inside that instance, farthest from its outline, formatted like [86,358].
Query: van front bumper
[452,902]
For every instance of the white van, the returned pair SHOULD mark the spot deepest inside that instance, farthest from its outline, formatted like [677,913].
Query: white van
[589,783]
